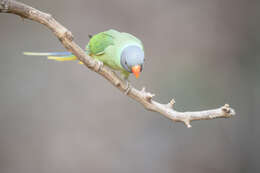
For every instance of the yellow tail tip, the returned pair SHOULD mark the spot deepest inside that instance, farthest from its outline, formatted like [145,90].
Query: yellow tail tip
[56,58]
[60,58]
[36,53]
[28,53]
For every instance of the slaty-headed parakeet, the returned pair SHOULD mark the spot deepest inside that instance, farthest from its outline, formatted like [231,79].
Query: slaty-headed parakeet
[118,50]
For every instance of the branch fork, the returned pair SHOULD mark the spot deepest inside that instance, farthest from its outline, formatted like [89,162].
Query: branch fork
[147,96]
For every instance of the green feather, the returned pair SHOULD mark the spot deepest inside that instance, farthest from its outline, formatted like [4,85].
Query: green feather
[99,42]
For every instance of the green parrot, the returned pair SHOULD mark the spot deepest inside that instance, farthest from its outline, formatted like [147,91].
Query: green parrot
[120,51]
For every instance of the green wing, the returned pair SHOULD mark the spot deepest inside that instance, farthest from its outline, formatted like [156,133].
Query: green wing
[99,42]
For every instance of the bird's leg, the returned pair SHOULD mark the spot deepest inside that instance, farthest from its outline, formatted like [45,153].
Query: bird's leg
[98,66]
[124,77]
[128,87]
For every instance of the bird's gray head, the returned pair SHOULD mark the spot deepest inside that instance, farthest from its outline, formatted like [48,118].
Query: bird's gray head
[132,59]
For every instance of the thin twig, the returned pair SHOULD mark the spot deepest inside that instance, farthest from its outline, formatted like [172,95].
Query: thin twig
[141,96]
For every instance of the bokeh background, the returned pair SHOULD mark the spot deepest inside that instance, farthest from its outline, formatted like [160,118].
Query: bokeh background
[61,117]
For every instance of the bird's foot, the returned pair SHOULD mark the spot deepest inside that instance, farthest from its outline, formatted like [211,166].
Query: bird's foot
[98,66]
[128,87]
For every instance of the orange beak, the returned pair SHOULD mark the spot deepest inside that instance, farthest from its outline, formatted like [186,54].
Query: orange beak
[136,70]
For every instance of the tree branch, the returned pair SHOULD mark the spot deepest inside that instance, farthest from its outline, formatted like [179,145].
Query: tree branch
[141,96]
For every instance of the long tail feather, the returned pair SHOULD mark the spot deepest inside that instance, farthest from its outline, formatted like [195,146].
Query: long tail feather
[57,56]
[47,53]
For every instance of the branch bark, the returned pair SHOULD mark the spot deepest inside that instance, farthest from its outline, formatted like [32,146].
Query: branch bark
[141,96]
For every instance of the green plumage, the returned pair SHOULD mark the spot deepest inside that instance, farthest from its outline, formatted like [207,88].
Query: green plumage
[107,47]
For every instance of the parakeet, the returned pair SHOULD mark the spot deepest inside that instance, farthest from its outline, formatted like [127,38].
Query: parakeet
[118,50]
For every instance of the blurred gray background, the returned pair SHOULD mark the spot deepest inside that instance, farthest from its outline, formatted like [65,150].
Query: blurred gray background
[61,117]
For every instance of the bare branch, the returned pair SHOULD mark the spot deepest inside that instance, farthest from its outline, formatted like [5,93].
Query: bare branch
[141,96]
